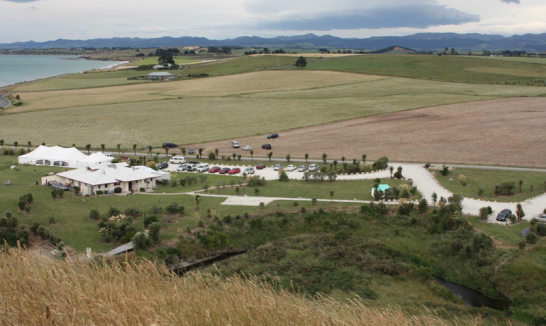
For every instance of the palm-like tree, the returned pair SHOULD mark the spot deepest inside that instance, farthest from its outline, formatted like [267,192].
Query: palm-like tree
[29,144]
[167,150]
[200,151]
[269,155]
[15,143]
[183,151]
[150,149]
[392,169]
[134,148]
[88,147]
[102,147]
[324,157]
[306,157]
[251,155]
[364,158]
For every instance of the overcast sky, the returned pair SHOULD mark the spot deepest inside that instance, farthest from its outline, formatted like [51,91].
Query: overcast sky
[42,20]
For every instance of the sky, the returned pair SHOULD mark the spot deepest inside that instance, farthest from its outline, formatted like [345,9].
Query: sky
[43,20]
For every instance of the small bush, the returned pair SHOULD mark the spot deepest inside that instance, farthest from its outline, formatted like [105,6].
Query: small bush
[53,193]
[141,241]
[522,244]
[531,238]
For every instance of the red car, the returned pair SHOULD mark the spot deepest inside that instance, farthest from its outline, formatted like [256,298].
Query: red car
[224,170]
[214,169]
[234,171]
[260,166]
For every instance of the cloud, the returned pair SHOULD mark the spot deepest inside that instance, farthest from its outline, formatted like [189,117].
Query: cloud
[511,1]
[421,14]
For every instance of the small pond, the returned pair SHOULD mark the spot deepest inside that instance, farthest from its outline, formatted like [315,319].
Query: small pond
[472,297]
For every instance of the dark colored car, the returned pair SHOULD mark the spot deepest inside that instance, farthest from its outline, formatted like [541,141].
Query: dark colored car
[427,165]
[504,215]
[191,151]
[117,190]
[234,171]
[214,169]
[162,166]
[169,145]
[60,186]
[266,146]
[193,162]
[273,136]
[224,170]
[260,166]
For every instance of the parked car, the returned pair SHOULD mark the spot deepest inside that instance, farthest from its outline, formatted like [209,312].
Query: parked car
[266,146]
[302,168]
[249,170]
[278,167]
[169,145]
[117,190]
[192,166]
[541,218]
[260,166]
[504,215]
[162,166]
[291,168]
[224,170]
[177,160]
[314,168]
[234,171]
[214,169]
[235,144]
[204,167]
[191,151]
[182,167]
[60,186]
[194,162]
[247,148]
[273,136]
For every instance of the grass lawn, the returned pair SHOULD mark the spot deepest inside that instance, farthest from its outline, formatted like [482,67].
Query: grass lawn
[508,234]
[488,179]
[458,69]
[72,214]
[536,60]
[349,190]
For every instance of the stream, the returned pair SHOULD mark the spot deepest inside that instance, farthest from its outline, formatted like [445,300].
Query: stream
[472,297]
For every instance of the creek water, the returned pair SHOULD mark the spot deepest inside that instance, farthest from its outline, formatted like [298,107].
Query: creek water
[472,297]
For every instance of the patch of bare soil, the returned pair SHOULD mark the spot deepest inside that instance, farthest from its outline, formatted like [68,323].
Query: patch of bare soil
[497,132]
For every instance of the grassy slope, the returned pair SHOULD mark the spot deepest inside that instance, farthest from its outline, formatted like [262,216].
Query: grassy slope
[488,179]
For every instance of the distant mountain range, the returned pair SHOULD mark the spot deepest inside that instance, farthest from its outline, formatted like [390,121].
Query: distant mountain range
[421,41]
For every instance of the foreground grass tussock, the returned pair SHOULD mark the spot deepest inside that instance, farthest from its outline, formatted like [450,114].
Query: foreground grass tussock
[35,290]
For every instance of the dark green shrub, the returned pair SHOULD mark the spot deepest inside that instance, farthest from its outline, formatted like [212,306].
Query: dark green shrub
[94,215]
[531,238]
[141,241]
[540,229]
[423,205]
[522,244]
[149,220]
[153,231]
[53,194]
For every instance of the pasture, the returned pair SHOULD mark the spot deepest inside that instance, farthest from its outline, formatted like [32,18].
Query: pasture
[180,60]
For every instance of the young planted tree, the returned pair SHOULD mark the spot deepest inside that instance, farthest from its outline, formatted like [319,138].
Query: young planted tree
[520,183]
[324,157]
[391,168]
[306,157]
[2,142]
[332,194]
[434,199]
[200,151]
[335,165]
[252,155]
[269,156]
[119,148]
[134,148]
[15,143]
[167,150]
[216,152]
[234,156]
[88,147]
[102,147]
[184,151]
[150,148]
[519,212]
[343,159]
[288,158]
[364,158]
[29,144]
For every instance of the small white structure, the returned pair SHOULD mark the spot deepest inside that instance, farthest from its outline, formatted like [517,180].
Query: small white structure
[158,67]
[62,157]
[160,75]
[105,178]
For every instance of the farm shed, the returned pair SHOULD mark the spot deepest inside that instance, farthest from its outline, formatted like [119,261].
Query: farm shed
[160,75]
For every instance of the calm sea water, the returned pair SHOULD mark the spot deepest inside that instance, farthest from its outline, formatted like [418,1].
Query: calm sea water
[19,68]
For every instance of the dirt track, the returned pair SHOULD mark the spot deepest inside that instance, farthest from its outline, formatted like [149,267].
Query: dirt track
[497,132]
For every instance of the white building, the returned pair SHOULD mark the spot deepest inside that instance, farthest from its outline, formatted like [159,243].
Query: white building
[105,178]
[160,75]
[63,157]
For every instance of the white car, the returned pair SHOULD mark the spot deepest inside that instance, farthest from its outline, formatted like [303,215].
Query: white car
[248,170]
[291,168]
[541,217]
[314,168]
[278,167]
[182,167]
[247,148]
[202,168]
[302,168]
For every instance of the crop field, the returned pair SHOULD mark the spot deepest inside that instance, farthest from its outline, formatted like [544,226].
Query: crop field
[495,132]
[458,69]
[533,185]
[268,81]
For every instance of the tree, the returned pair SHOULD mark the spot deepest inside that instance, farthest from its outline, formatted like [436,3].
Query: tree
[200,151]
[392,169]
[519,212]
[423,205]
[269,155]
[29,144]
[119,148]
[234,156]
[251,155]
[520,183]
[301,62]
[288,158]
[167,150]
[184,151]
[324,156]
[216,152]
[88,147]
[102,147]
[398,174]
[332,194]
[15,143]
[165,60]
[434,198]
[2,142]
[306,157]
[364,158]
[153,231]
[134,148]
[150,150]
[335,164]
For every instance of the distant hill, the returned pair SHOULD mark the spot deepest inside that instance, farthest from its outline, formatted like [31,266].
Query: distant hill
[420,41]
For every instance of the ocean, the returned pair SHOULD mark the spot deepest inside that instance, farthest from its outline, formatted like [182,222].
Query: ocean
[20,68]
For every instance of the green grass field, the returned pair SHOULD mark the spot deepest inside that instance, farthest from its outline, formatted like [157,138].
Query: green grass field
[488,179]
[178,60]
[536,60]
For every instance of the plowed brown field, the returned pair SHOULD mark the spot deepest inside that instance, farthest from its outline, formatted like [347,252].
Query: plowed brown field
[496,132]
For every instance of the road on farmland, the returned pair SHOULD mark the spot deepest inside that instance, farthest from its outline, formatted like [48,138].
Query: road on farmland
[4,102]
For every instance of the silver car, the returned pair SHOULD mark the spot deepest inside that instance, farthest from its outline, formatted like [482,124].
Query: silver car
[302,168]
[278,167]
[182,167]
[249,170]
[314,168]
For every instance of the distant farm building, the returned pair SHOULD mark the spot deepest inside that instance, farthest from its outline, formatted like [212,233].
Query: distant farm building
[160,75]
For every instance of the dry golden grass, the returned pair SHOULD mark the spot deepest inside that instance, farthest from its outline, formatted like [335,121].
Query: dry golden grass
[35,290]
[264,81]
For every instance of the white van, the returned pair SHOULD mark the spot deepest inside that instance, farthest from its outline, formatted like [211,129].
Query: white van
[235,144]
[177,160]
[204,167]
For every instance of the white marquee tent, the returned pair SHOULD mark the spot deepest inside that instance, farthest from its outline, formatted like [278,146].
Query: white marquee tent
[65,157]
